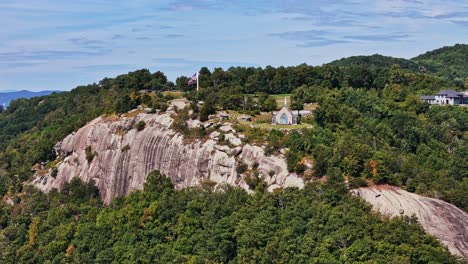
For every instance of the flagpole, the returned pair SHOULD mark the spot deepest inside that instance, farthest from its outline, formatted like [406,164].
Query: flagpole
[198,81]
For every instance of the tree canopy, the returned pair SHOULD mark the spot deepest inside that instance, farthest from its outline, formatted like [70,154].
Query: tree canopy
[321,223]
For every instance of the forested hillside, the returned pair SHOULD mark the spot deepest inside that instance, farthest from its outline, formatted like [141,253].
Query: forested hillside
[320,224]
[378,61]
[448,62]
[369,128]
[389,139]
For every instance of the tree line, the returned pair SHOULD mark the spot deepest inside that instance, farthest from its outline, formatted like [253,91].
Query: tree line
[320,224]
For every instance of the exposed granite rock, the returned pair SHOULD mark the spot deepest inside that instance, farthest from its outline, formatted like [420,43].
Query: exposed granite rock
[233,139]
[438,218]
[125,156]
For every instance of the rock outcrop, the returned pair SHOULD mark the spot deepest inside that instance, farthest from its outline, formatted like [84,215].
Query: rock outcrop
[120,157]
[438,218]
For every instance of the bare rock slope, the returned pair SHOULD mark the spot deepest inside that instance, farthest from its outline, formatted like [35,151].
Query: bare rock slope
[124,157]
[438,218]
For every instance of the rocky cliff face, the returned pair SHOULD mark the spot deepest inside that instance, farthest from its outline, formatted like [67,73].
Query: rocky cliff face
[123,157]
[438,218]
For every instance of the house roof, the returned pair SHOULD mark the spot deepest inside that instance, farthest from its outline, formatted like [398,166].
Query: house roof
[428,97]
[293,112]
[450,93]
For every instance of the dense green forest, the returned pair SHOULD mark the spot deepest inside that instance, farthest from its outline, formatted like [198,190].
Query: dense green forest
[366,116]
[369,127]
[319,224]
[375,136]
[451,62]
[448,62]
[378,61]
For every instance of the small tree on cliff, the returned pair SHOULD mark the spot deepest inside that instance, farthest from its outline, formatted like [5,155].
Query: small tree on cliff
[156,185]
[77,191]
[89,154]
[207,109]
[140,125]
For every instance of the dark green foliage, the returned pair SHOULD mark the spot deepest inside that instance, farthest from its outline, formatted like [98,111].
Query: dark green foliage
[157,183]
[140,125]
[124,104]
[78,191]
[450,61]
[54,173]
[89,154]
[241,168]
[357,182]
[228,89]
[253,179]
[389,140]
[377,61]
[370,125]
[321,223]
[300,168]
[358,72]
[126,148]
[266,103]
[275,141]
[293,158]
[208,108]
[180,121]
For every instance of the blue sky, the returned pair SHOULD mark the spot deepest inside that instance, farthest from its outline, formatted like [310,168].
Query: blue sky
[52,44]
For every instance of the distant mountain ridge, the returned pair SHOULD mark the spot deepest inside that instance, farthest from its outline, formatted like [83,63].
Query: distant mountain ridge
[7,96]
[377,61]
[450,62]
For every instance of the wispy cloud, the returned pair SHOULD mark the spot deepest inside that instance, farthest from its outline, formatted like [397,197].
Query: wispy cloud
[174,36]
[379,37]
[300,35]
[104,67]
[460,22]
[19,65]
[48,54]
[322,43]
[189,5]
[311,38]
[189,61]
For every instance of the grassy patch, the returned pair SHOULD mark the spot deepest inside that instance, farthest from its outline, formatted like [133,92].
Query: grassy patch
[269,126]
[53,163]
[134,113]
[280,99]
[173,94]
[311,106]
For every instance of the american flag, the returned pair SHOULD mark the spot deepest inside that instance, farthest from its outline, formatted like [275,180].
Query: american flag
[193,79]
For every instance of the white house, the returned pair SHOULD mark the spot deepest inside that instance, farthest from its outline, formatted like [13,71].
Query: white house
[285,117]
[446,97]
[288,117]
